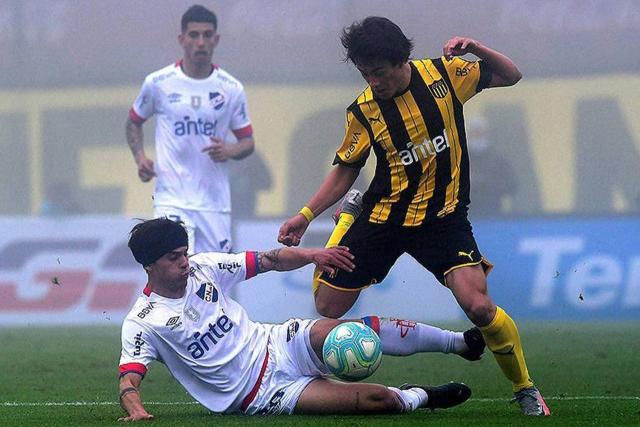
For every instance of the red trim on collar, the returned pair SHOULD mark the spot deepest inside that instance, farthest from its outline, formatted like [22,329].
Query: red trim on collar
[147,291]
[179,63]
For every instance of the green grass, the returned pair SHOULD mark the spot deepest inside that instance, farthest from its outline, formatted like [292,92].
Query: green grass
[581,368]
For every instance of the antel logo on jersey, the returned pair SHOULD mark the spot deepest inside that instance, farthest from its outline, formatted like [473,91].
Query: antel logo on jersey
[216,99]
[427,148]
[208,292]
[204,341]
[189,127]
[146,310]
[231,267]
[138,343]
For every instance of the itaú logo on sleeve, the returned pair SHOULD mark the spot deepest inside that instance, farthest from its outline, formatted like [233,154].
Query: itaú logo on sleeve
[194,126]
[416,152]
[204,341]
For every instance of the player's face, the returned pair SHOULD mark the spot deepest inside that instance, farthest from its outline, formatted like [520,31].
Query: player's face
[198,41]
[172,269]
[386,80]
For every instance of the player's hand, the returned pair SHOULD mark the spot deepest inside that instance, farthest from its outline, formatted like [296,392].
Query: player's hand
[330,260]
[142,416]
[218,151]
[459,46]
[145,168]
[292,230]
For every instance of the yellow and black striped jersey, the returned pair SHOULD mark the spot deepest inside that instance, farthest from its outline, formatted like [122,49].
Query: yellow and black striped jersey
[418,137]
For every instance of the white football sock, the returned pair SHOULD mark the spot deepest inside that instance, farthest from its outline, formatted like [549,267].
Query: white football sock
[405,337]
[411,399]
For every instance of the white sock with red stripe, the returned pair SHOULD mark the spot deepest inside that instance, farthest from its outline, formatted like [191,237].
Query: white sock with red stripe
[411,399]
[405,337]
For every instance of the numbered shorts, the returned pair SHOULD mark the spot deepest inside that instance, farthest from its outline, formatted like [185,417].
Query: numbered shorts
[291,366]
[207,231]
[441,246]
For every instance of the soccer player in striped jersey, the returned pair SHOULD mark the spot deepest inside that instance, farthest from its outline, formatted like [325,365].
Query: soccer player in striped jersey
[411,116]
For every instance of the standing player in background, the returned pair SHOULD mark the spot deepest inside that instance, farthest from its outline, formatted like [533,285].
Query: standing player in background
[411,117]
[196,104]
[229,364]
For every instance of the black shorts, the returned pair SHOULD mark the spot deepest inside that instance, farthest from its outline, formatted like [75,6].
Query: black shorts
[441,245]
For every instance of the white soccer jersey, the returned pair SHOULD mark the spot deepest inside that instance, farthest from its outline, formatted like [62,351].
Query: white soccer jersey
[205,338]
[188,112]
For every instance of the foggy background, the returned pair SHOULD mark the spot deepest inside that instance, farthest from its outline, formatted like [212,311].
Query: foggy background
[563,141]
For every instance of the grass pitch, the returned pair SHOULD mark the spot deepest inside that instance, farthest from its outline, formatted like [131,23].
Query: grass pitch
[588,372]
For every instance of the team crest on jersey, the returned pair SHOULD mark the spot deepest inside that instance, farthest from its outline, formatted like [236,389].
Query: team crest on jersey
[216,99]
[208,292]
[439,89]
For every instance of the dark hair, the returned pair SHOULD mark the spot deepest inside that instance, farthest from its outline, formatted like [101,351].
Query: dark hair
[375,39]
[150,240]
[197,13]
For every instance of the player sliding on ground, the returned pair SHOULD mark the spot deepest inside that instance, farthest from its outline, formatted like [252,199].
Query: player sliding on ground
[229,364]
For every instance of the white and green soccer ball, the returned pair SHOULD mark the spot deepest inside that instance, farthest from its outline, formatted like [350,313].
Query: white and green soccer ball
[352,351]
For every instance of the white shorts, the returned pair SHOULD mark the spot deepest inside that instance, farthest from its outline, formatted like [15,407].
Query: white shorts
[291,367]
[207,231]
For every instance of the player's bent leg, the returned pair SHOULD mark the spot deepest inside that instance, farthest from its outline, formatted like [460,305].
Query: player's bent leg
[406,337]
[326,396]
[468,285]
[334,303]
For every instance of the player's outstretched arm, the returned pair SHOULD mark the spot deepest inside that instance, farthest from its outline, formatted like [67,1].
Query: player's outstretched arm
[130,398]
[505,71]
[335,185]
[326,259]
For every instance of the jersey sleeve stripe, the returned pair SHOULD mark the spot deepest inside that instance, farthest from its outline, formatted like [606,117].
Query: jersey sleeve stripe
[135,118]
[251,260]
[254,391]
[133,368]
[244,132]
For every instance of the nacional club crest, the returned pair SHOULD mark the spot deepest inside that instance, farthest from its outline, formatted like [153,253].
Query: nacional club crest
[208,292]
[216,99]
[439,89]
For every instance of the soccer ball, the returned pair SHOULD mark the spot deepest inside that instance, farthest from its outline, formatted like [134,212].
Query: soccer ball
[352,351]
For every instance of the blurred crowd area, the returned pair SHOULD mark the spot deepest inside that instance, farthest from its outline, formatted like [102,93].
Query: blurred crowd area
[564,141]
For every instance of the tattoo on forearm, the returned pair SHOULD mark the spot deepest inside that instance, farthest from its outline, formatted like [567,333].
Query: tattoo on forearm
[269,260]
[134,137]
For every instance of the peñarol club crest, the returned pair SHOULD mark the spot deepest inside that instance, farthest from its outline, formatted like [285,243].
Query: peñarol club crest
[439,89]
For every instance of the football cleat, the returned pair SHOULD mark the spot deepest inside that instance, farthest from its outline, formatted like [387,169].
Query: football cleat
[442,396]
[351,203]
[531,402]
[475,341]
